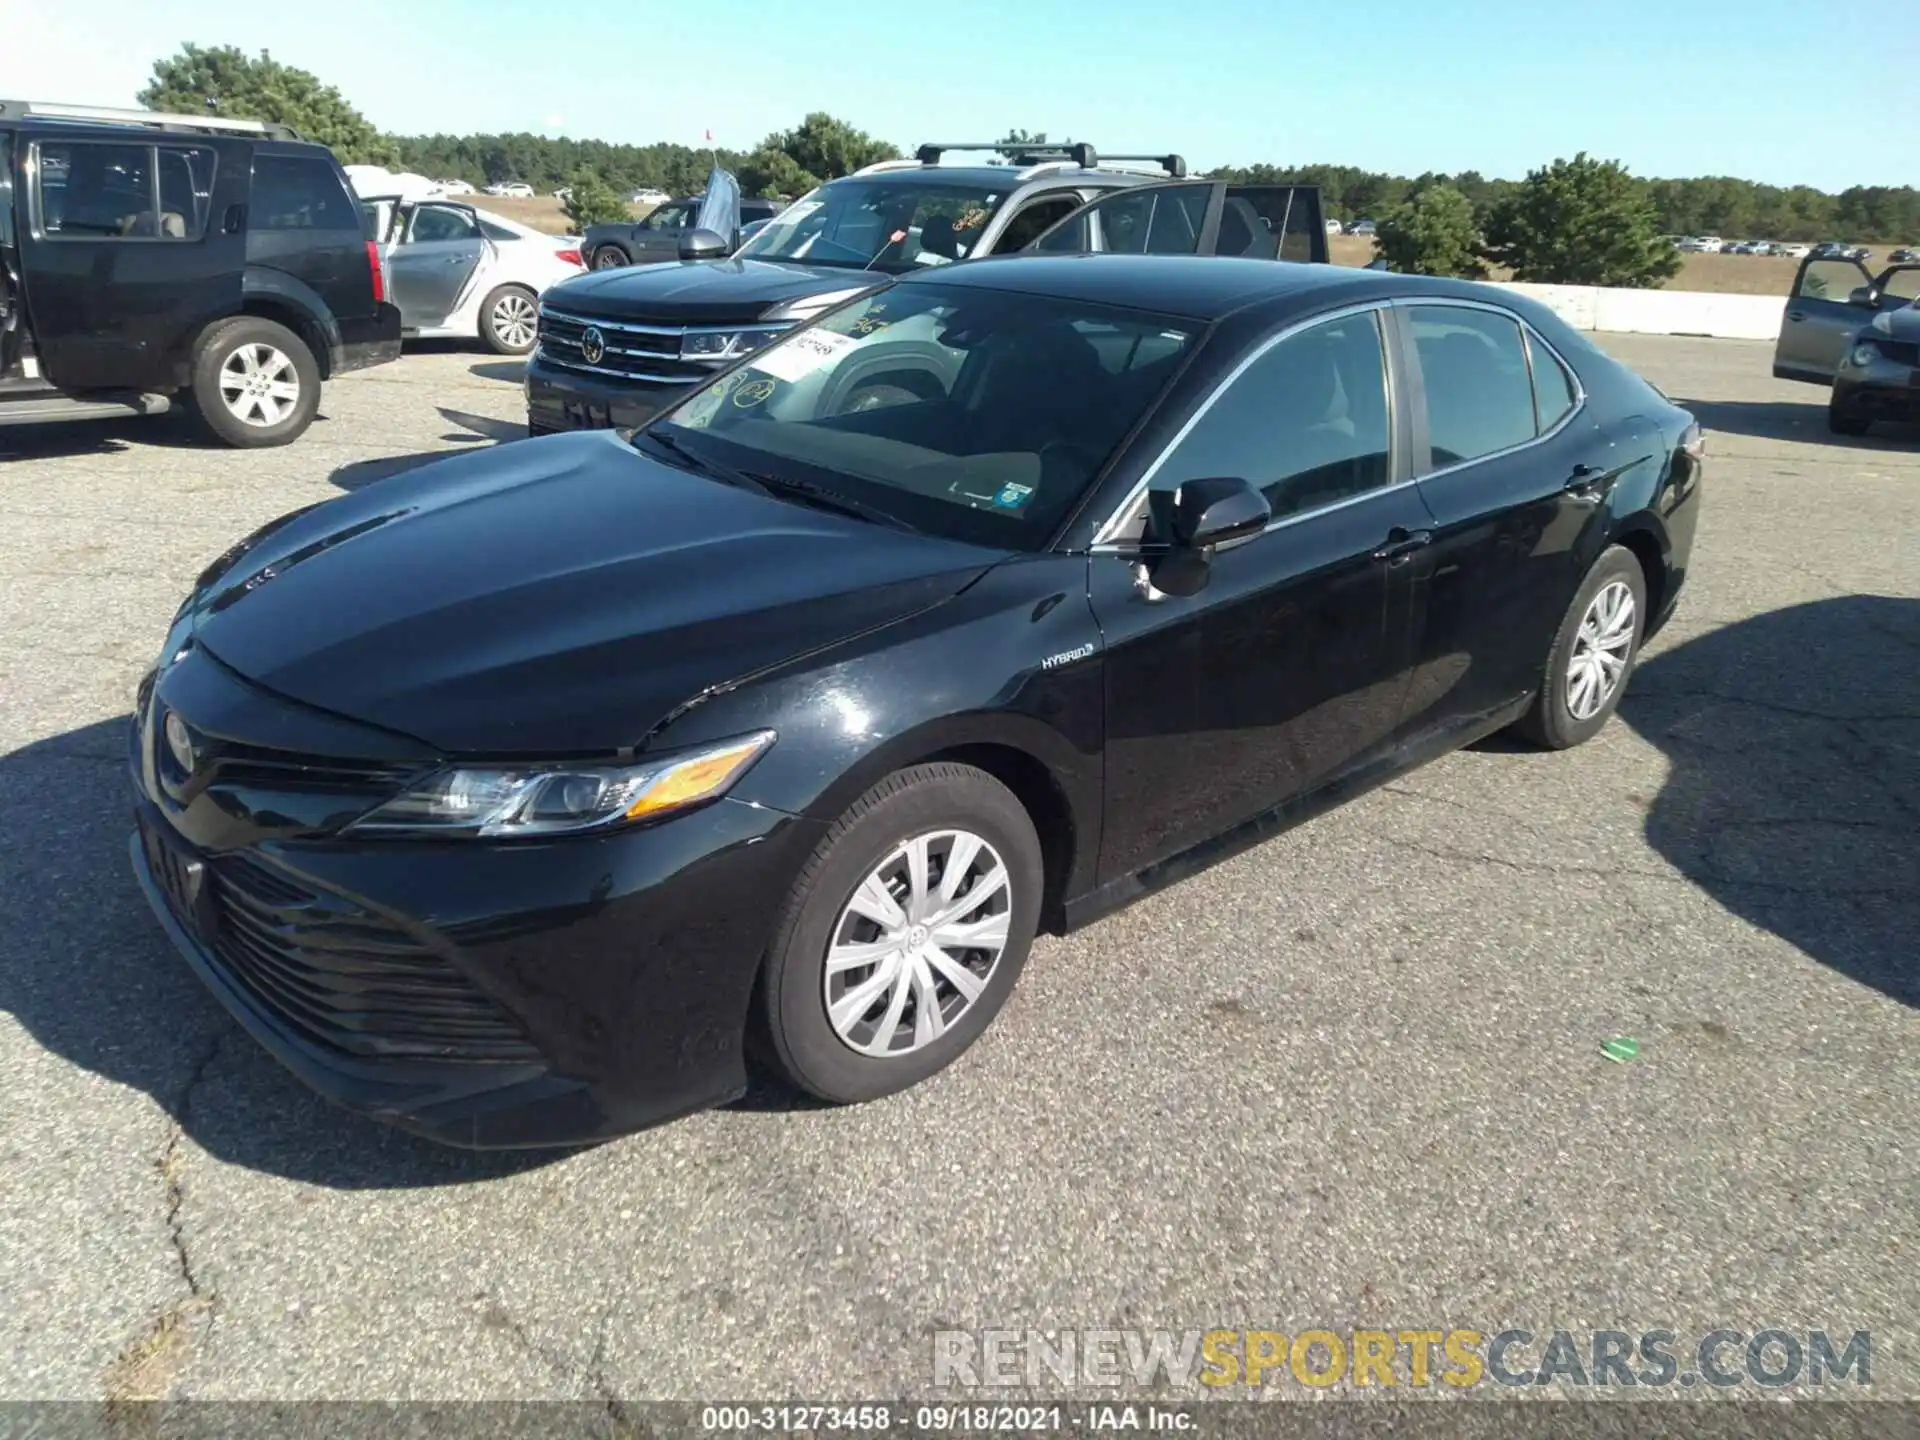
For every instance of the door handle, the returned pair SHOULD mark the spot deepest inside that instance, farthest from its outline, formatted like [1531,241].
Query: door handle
[1796,314]
[1587,479]
[1402,542]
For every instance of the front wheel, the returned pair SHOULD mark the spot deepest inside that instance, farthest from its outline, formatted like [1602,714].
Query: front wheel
[255,383]
[904,933]
[1592,655]
[509,320]
[1842,421]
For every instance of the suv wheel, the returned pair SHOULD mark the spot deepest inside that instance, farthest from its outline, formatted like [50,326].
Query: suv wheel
[610,257]
[255,383]
[1592,655]
[509,319]
[1842,421]
[904,933]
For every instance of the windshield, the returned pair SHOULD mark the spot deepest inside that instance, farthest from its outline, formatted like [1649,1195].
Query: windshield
[877,224]
[979,415]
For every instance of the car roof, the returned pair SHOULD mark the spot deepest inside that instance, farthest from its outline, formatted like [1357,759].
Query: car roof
[1194,287]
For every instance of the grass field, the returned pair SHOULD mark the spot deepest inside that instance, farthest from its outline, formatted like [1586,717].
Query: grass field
[1720,274]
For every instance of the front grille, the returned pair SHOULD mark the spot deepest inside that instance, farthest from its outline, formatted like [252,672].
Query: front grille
[287,771]
[633,351]
[348,979]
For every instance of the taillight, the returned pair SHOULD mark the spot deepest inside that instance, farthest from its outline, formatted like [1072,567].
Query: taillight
[569,257]
[379,274]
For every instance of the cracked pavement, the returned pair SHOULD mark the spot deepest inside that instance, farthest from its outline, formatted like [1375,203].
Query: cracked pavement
[1352,1077]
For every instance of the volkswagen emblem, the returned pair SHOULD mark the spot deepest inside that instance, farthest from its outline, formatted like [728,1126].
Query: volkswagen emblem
[179,742]
[593,345]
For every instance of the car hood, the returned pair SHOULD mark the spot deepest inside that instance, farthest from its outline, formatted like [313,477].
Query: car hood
[560,595]
[1901,324]
[702,292]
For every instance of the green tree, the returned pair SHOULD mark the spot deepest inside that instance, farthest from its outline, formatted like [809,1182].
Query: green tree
[829,148]
[1581,222]
[1433,233]
[772,171]
[592,201]
[224,80]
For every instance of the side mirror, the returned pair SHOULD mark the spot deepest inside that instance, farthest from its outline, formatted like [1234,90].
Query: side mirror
[1206,514]
[1863,295]
[703,245]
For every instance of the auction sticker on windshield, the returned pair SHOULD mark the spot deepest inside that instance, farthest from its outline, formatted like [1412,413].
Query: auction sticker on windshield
[803,354]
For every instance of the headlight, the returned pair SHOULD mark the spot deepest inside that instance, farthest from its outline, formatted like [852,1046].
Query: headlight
[1864,354]
[723,344]
[503,801]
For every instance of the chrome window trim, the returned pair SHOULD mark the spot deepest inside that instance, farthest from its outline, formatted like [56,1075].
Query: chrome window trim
[1103,544]
[604,323]
[1408,302]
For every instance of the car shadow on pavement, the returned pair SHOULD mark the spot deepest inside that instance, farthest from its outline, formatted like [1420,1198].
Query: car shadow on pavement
[1793,797]
[86,971]
[63,439]
[512,371]
[1792,420]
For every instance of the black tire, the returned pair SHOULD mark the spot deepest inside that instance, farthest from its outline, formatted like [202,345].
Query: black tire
[221,343]
[909,803]
[491,320]
[1842,421]
[610,257]
[1551,723]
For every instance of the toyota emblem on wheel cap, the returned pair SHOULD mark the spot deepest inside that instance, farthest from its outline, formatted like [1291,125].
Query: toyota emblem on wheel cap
[593,345]
[179,742]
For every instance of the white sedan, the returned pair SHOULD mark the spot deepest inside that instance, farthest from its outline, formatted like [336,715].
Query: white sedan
[463,273]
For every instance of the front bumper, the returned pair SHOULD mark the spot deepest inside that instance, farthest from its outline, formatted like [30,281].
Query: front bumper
[484,995]
[1882,390]
[559,398]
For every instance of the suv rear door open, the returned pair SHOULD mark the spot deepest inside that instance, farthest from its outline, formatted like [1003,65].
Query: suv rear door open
[1195,217]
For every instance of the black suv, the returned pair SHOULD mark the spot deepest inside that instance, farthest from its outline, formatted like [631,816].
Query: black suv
[149,259]
[610,245]
[616,347]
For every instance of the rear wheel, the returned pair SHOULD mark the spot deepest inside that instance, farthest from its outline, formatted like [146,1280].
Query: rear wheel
[1592,655]
[904,933]
[255,383]
[1843,421]
[610,257]
[509,319]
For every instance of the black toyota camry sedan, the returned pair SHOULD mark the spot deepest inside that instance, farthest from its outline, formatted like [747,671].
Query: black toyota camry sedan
[524,797]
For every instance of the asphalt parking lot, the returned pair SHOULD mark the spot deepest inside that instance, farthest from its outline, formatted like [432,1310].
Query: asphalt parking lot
[1351,1078]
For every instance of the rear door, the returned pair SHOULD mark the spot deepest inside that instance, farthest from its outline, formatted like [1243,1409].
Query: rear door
[1194,217]
[1821,317]
[127,246]
[436,263]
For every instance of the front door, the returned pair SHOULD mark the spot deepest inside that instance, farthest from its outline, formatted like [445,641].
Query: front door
[1830,301]
[1287,670]
[657,237]
[126,247]
[432,269]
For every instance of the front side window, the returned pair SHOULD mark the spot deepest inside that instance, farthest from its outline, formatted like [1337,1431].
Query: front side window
[102,190]
[980,415]
[1829,280]
[1473,365]
[436,222]
[1038,216]
[299,192]
[668,217]
[1307,423]
[875,224]
[1150,220]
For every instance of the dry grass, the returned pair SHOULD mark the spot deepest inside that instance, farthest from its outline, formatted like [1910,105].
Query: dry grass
[1720,274]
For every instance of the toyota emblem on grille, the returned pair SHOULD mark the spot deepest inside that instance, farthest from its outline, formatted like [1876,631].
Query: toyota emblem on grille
[179,742]
[593,345]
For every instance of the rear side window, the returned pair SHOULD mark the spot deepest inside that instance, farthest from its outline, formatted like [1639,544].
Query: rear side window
[300,192]
[1473,366]
[100,190]
[1553,393]
[434,222]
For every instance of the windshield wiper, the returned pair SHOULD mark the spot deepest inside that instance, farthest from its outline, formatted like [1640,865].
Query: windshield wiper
[726,474]
[821,498]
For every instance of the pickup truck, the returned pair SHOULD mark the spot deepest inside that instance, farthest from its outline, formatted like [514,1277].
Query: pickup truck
[615,347]
[610,245]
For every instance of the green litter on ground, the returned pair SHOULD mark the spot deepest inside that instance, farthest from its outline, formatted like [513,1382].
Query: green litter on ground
[1620,1049]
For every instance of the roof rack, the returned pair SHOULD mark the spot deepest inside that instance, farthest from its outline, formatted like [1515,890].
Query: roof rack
[1174,165]
[1083,155]
[160,120]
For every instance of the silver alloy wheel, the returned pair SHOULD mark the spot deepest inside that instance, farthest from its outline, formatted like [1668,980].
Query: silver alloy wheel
[514,319]
[918,943]
[607,257]
[259,384]
[1601,649]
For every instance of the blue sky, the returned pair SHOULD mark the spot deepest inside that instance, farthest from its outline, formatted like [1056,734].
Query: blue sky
[1785,91]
